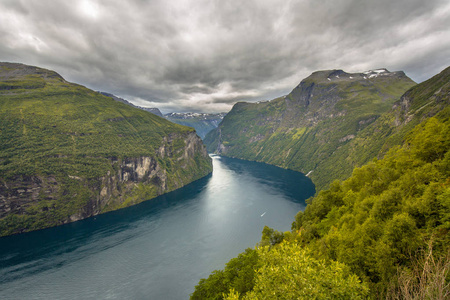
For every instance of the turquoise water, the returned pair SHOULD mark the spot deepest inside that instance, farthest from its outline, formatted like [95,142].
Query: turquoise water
[159,249]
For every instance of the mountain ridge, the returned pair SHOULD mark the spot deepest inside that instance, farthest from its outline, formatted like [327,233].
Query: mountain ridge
[153,110]
[414,106]
[68,153]
[201,122]
[300,130]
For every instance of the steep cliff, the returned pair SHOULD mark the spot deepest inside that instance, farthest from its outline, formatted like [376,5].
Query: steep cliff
[68,153]
[301,130]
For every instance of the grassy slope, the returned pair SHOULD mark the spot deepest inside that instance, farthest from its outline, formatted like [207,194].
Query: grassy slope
[289,133]
[52,128]
[387,131]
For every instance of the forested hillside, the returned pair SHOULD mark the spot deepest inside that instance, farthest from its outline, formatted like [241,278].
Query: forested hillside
[67,152]
[384,233]
[303,129]
[417,104]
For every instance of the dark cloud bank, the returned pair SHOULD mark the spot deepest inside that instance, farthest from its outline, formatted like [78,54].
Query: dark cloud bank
[203,55]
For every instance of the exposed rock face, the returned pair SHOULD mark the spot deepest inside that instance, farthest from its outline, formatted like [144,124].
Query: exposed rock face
[147,171]
[68,152]
[17,195]
[424,103]
[134,180]
[316,97]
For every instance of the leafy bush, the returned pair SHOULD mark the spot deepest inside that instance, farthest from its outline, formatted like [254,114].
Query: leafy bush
[288,271]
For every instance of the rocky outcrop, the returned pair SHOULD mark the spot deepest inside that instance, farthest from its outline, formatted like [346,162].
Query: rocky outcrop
[18,194]
[68,153]
[130,181]
[423,103]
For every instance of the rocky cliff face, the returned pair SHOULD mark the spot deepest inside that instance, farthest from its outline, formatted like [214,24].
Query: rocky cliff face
[131,181]
[141,178]
[68,153]
[425,101]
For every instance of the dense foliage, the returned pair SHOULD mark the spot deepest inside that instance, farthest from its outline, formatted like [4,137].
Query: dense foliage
[238,275]
[387,210]
[388,224]
[291,272]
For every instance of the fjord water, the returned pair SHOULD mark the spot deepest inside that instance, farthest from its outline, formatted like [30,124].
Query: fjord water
[158,249]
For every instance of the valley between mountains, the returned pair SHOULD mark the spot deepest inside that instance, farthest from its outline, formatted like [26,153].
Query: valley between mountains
[376,145]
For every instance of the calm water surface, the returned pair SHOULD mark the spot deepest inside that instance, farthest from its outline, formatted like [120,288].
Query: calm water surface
[159,249]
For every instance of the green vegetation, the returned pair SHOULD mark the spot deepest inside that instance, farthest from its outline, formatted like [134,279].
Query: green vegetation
[286,271]
[388,225]
[61,141]
[291,272]
[238,275]
[368,226]
[417,104]
[386,210]
[304,129]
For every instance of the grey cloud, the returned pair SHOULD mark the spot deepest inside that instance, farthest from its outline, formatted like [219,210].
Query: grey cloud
[205,55]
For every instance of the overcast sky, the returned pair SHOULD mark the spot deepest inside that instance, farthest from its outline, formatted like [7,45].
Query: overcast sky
[205,55]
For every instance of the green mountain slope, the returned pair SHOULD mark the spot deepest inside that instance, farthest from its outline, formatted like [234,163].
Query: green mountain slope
[67,153]
[301,130]
[416,105]
[388,223]
[153,110]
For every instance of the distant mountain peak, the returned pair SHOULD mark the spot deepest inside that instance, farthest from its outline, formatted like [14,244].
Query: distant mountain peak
[202,122]
[329,76]
[192,115]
